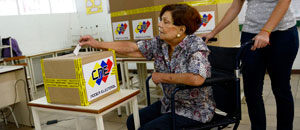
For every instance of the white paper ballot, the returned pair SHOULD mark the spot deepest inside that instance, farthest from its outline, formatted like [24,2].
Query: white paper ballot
[76,50]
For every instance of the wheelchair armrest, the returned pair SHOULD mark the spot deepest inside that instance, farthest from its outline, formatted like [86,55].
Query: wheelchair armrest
[207,82]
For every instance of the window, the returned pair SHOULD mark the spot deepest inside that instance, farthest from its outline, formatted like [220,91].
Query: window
[29,7]
[8,7]
[34,6]
[63,6]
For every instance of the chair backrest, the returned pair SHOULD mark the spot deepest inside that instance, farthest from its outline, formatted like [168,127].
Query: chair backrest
[21,60]
[17,60]
[222,60]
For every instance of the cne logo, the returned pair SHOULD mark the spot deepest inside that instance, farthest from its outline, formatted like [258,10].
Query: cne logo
[121,28]
[142,27]
[100,73]
[205,18]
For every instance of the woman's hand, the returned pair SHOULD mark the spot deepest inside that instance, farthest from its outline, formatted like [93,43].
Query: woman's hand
[88,40]
[156,77]
[261,40]
[208,36]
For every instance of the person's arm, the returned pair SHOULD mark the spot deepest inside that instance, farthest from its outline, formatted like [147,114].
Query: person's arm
[263,37]
[198,70]
[125,48]
[229,16]
[182,78]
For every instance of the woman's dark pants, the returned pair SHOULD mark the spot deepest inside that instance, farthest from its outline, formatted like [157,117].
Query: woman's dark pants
[277,60]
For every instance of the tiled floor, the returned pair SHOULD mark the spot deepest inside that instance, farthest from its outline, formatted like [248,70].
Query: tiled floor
[113,122]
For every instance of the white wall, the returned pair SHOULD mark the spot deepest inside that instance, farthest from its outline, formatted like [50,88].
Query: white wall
[39,33]
[48,32]
[101,19]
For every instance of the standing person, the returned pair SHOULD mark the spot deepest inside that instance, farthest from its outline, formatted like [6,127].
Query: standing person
[180,58]
[271,25]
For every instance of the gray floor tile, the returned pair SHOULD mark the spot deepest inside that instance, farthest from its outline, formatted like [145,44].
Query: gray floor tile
[270,109]
[297,112]
[53,127]
[271,121]
[296,123]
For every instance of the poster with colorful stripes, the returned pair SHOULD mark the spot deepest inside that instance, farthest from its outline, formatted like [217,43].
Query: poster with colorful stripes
[121,30]
[142,29]
[208,22]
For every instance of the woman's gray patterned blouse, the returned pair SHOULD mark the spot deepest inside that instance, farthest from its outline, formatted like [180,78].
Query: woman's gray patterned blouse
[189,56]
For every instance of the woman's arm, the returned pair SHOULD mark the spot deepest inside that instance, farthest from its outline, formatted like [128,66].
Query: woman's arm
[262,39]
[182,78]
[229,16]
[124,48]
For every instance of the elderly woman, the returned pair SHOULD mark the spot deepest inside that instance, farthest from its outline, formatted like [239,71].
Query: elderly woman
[180,58]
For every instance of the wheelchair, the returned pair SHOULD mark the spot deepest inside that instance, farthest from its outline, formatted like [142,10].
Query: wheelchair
[225,82]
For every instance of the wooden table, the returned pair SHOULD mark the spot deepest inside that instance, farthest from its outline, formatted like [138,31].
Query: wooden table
[97,109]
[13,91]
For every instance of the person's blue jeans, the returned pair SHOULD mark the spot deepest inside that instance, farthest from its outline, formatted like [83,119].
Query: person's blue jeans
[152,119]
[277,59]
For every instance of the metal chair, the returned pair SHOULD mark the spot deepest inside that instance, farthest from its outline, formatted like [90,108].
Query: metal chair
[225,81]
[21,61]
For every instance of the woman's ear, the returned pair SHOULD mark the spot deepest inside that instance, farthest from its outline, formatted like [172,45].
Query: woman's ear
[182,29]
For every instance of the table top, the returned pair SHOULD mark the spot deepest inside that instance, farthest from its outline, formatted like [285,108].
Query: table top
[96,107]
[5,69]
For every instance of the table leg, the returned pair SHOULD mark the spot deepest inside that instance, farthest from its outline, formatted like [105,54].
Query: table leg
[127,109]
[136,116]
[77,123]
[5,120]
[142,75]
[119,111]
[31,73]
[36,119]
[123,76]
[127,76]
[99,122]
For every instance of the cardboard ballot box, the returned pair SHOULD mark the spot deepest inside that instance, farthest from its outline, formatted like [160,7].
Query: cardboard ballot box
[137,19]
[80,80]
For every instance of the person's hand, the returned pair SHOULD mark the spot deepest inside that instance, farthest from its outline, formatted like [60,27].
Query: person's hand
[208,36]
[156,77]
[261,40]
[88,40]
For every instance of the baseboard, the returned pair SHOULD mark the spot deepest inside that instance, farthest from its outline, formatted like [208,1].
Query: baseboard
[297,71]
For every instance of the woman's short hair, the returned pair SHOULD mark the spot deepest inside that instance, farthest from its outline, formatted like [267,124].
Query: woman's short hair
[183,14]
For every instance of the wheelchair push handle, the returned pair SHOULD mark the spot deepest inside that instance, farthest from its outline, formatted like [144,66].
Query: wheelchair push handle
[247,43]
[241,52]
[210,40]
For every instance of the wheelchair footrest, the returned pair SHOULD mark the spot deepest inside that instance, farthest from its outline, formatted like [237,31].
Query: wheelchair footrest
[217,121]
